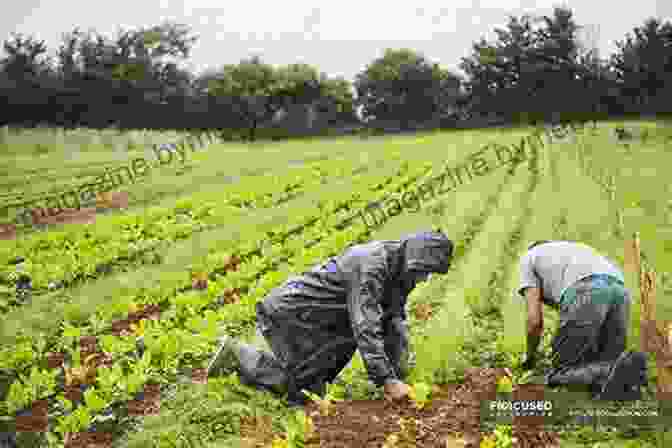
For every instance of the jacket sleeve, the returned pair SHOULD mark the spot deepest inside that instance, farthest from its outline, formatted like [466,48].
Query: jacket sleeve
[366,317]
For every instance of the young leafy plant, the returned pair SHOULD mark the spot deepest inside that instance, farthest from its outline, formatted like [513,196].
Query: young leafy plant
[84,416]
[22,356]
[420,394]
[117,347]
[75,422]
[24,391]
[505,385]
[70,335]
[139,375]
[502,437]
[111,382]
[299,430]
[326,404]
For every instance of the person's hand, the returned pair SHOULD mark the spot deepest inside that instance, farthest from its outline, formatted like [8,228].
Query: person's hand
[396,390]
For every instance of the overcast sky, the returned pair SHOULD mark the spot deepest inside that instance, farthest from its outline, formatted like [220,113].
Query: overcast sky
[339,38]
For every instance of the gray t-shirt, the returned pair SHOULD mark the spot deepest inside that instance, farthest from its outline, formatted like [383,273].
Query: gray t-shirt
[556,266]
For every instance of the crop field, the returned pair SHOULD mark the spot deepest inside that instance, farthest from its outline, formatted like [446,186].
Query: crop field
[126,310]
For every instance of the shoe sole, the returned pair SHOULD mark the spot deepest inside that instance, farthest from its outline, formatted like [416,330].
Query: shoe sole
[628,372]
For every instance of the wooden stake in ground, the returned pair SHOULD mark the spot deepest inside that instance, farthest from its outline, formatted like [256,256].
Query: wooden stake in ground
[653,336]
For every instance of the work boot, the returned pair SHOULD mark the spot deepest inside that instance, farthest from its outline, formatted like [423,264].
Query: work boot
[626,377]
[588,375]
[226,358]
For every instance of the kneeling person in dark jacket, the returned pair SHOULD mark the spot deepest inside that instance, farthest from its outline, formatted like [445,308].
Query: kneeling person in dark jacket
[315,322]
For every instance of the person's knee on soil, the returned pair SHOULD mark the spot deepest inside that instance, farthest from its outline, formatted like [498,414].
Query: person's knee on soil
[589,292]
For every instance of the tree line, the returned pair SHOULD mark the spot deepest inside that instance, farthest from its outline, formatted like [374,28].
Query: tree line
[538,68]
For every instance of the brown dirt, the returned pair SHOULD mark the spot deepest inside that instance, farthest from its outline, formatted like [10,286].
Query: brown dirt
[73,393]
[121,327]
[28,423]
[257,431]
[99,439]
[55,360]
[87,346]
[147,406]
[91,439]
[40,408]
[152,394]
[231,296]
[151,312]
[7,231]
[452,414]
[85,215]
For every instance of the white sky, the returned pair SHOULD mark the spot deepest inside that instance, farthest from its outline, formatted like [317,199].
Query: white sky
[338,38]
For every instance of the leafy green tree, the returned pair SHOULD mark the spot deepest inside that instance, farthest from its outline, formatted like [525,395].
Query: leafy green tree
[643,63]
[529,69]
[25,56]
[338,97]
[402,85]
[251,85]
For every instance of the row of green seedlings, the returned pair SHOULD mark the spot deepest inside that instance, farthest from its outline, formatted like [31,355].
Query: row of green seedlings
[164,332]
[253,249]
[485,311]
[473,228]
[607,183]
[299,427]
[139,257]
[38,214]
[71,333]
[489,308]
[137,236]
[171,146]
[221,263]
[486,317]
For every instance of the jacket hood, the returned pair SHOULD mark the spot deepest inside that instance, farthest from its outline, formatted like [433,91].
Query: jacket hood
[427,252]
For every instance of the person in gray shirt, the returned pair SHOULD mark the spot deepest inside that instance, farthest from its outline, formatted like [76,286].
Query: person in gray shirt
[594,307]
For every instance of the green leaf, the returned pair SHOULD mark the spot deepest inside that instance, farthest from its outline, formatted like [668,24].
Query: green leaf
[83,417]
[94,401]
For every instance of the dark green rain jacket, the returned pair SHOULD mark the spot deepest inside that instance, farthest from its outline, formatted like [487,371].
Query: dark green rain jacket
[357,292]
